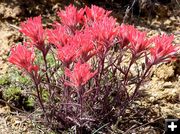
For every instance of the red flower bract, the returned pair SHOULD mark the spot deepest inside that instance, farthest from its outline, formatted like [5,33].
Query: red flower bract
[59,36]
[135,40]
[124,33]
[79,47]
[23,58]
[105,30]
[95,13]
[163,49]
[80,74]
[71,16]
[33,28]
[84,45]
[138,42]
[67,54]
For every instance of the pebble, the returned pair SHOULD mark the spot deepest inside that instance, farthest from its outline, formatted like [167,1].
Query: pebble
[167,22]
[172,18]
[168,85]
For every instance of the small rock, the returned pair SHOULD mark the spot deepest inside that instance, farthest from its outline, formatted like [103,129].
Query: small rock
[172,18]
[164,71]
[8,11]
[168,85]
[167,22]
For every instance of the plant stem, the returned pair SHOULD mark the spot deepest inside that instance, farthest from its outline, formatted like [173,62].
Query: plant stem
[39,96]
[46,67]
[139,83]
[135,91]
[81,92]
[47,77]
[127,71]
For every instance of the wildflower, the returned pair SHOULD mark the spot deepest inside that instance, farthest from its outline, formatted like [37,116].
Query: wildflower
[80,75]
[59,36]
[135,40]
[123,35]
[67,53]
[105,29]
[23,57]
[104,32]
[163,50]
[84,45]
[138,42]
[95,13]
[34,30]
[71,16]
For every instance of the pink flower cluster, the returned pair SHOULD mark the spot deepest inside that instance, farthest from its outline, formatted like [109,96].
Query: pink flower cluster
[33,29]
[80,74]
[23,58]
[83,34]
[163,50]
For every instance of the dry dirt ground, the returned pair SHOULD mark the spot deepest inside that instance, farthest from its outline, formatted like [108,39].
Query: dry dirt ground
[160,97]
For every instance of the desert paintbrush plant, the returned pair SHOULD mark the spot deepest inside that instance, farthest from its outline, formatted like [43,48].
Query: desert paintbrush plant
[91,79]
